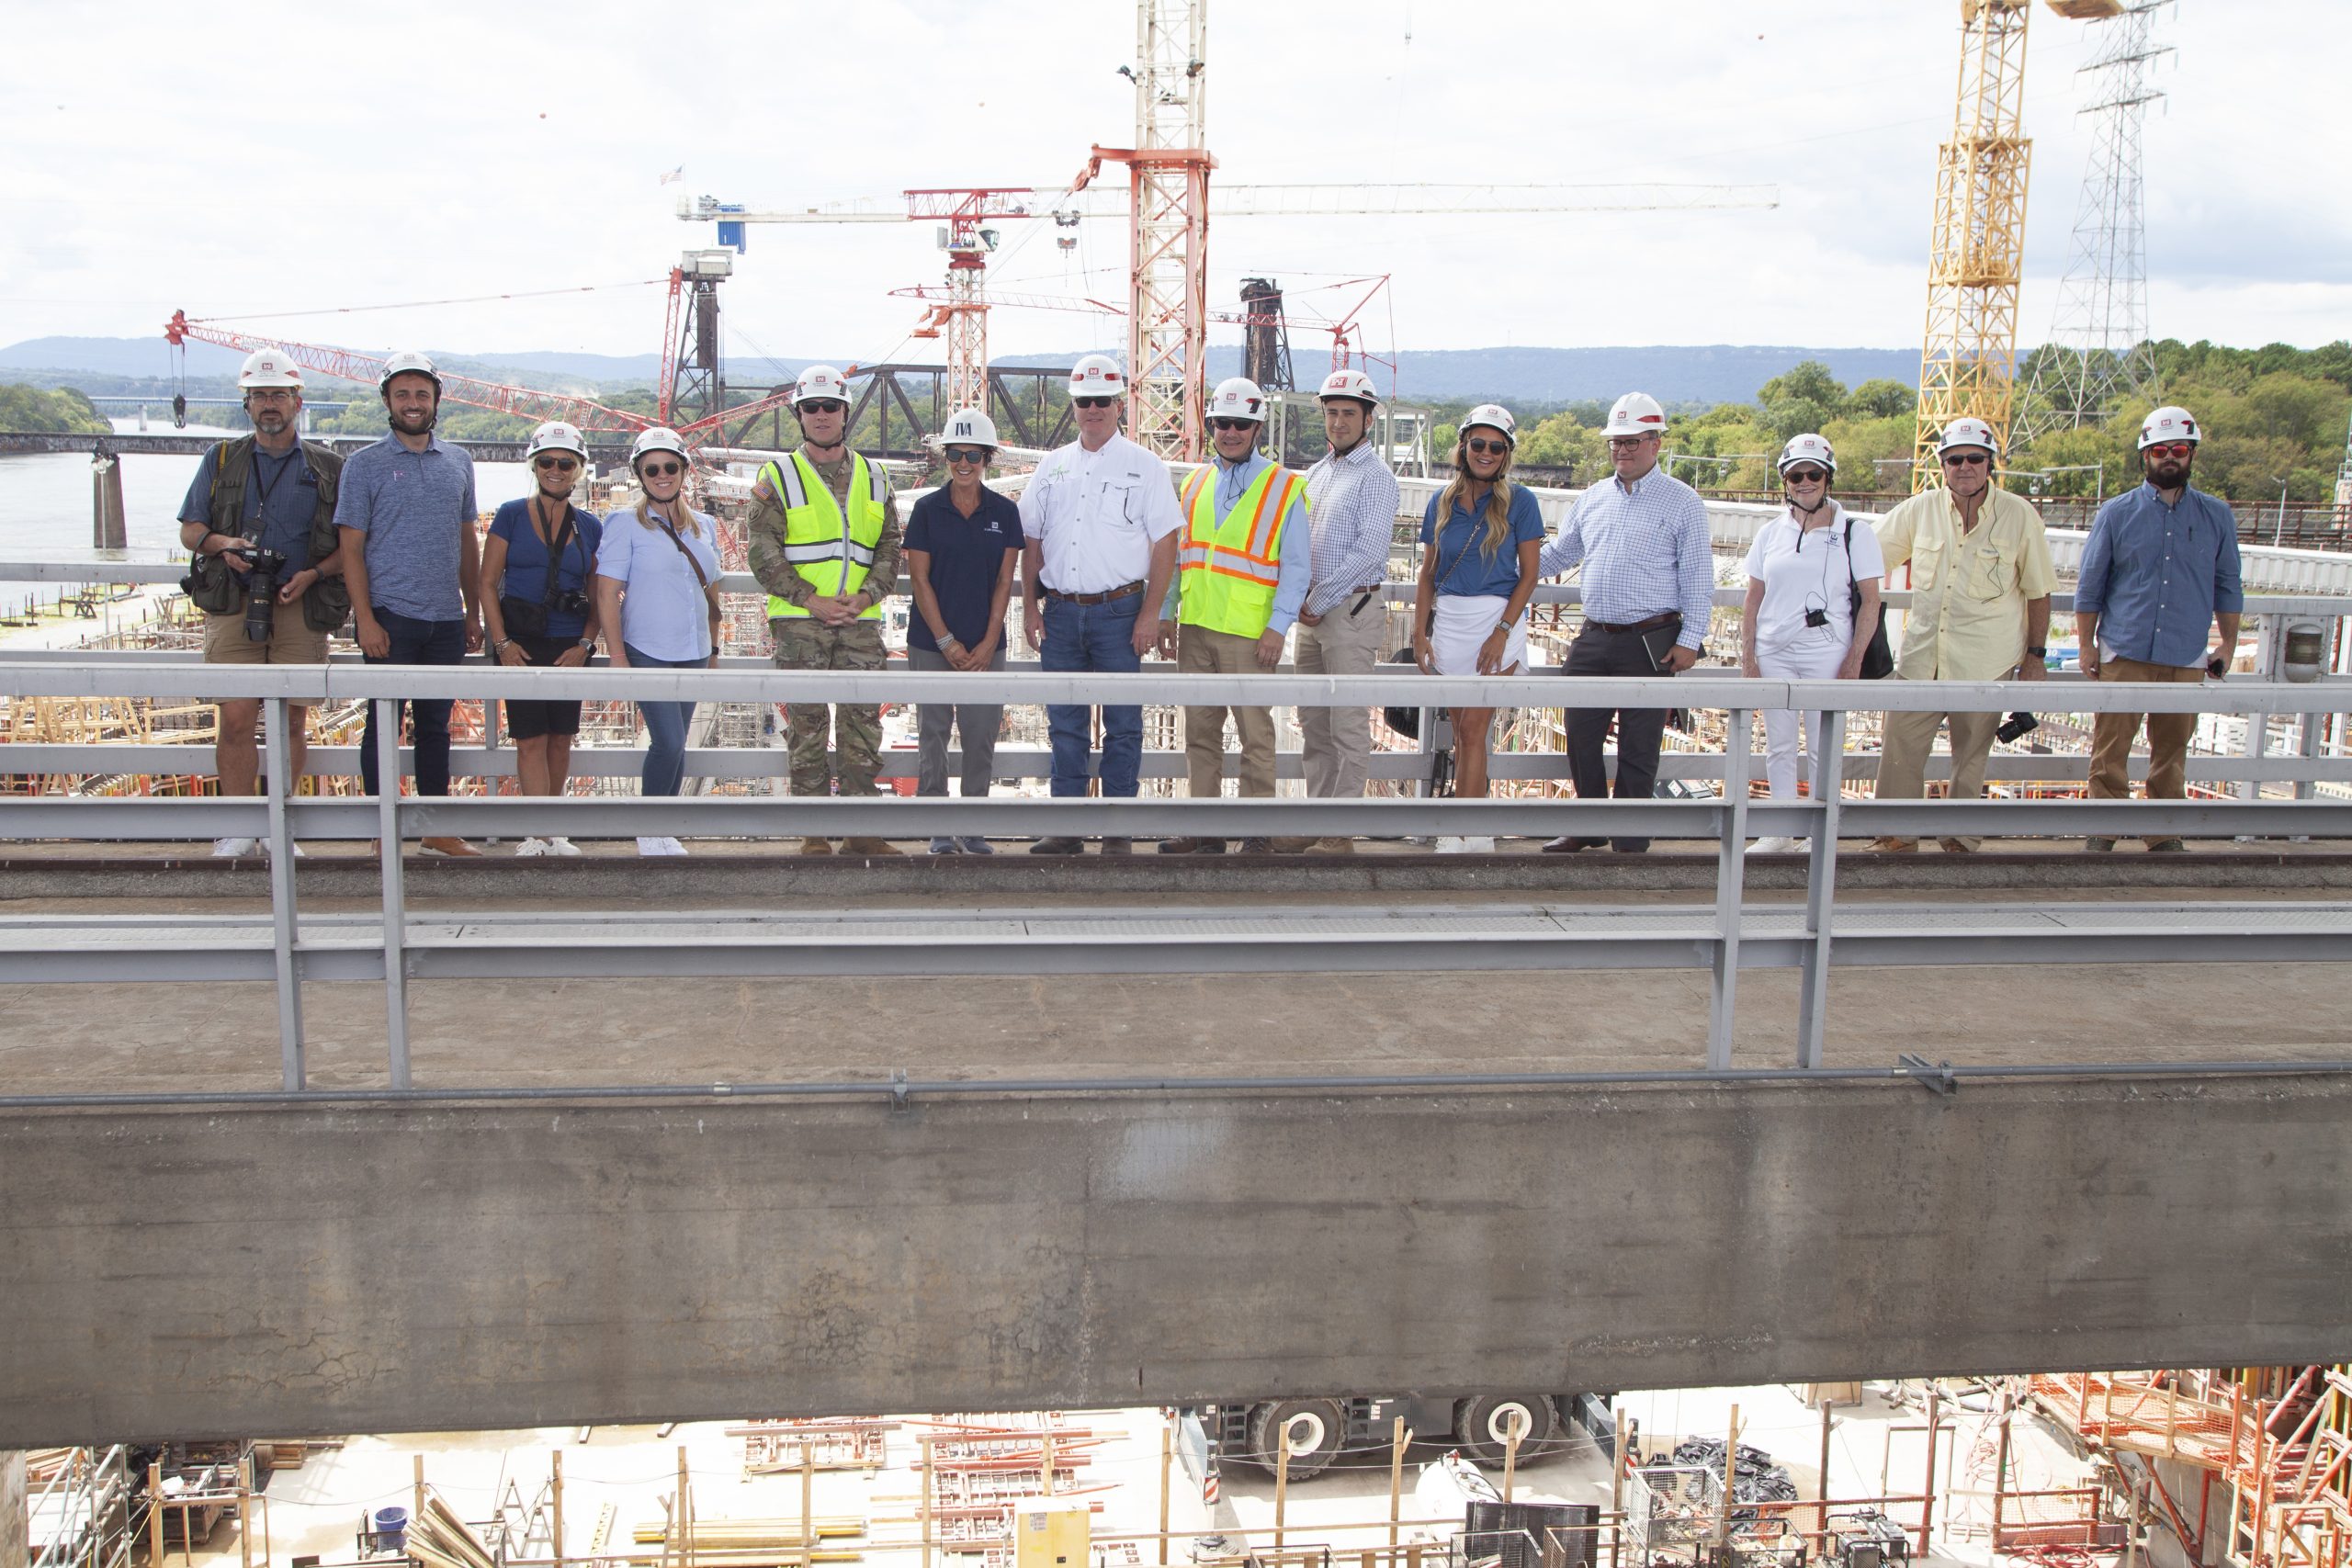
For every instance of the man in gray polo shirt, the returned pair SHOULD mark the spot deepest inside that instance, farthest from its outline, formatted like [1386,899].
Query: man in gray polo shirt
[411,555]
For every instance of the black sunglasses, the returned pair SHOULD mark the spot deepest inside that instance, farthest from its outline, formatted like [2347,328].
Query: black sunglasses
[822,405]
[561,465]
[1093,403]
[1481,445]
[1806,476]
[1233,424]
[1964,459]
[966,454]
[662,470]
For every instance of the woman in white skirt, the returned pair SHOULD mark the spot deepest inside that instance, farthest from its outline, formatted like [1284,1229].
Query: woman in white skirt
[1479,540]
[1801,624]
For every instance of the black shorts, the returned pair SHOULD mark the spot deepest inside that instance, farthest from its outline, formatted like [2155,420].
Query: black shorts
[526,718]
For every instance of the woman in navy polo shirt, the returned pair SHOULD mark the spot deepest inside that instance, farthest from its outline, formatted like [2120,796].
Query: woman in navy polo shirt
[536,617]
[1480,539]
[961,543]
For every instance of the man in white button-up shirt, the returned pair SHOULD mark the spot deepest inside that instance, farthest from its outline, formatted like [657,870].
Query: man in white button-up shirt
[1099,520]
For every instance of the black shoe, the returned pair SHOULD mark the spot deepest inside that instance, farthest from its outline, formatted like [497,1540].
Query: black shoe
[1058,847]
[1563,845]
[1631,846]
[1192,846]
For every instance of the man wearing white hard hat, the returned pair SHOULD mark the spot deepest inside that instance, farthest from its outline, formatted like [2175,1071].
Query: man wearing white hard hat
[412,553]
[1099,523]
[1649,588]
[1352,497]
[1980,611]
[2161,566]
[824,539]
[268,497]
[1242,574]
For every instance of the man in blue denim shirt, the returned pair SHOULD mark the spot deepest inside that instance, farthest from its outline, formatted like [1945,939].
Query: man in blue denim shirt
[2161,566]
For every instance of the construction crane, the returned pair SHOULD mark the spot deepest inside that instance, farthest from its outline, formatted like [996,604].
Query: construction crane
[1968,358]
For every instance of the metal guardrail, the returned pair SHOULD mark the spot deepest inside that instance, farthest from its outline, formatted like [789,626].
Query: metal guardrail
[1725,939]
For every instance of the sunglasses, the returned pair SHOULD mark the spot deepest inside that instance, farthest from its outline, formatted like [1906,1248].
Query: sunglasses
[823,405]
[1628,442]
[1482,445]
[1093,403]
[1806,476]
[1233,424]
[662,470]
[2170,450]
[1966,459]
[561,465]
[966,454]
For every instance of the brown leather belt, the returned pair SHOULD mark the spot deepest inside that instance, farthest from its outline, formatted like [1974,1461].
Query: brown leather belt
[1102,598]
[1649,625]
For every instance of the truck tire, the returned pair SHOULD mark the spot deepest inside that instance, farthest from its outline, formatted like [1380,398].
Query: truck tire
[1483,1425]
[1322,1427]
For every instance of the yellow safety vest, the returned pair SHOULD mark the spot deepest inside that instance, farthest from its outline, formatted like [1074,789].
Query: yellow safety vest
[832,555]
[1231,566]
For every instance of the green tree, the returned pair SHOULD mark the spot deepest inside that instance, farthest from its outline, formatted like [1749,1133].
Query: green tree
[1880,397]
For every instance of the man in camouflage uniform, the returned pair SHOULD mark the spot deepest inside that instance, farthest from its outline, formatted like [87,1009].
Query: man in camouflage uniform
[825,543]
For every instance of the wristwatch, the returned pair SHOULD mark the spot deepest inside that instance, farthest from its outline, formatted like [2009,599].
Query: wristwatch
[587,645]
[2038,653]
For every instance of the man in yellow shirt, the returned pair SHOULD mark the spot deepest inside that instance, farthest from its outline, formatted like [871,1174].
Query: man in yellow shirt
[1980,611]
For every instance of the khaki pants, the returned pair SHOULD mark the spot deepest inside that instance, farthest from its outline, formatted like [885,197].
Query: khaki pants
[1906,738]
[2168,733]
[1200,651]
[1338,741]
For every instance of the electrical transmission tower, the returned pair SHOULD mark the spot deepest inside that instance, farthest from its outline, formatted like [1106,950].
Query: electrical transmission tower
[2099,352]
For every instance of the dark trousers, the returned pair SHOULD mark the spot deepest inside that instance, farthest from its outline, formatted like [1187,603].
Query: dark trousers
[417,642]
[1639,730]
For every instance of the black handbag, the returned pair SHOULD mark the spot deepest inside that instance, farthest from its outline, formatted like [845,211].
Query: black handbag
[528,617]
[1878,657]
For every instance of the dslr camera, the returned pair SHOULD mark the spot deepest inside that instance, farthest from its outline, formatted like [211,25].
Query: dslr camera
[2015,725]
[261,586]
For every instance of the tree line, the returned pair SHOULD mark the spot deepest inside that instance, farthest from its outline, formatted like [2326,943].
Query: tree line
[63,412]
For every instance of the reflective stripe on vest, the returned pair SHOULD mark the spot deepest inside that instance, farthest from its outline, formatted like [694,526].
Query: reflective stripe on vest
[832,555]
[1231,567]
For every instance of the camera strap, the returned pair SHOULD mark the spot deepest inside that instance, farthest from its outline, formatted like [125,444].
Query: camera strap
[564,534]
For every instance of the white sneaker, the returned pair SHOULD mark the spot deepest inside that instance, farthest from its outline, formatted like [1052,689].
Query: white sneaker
[234,847]
[1478,844]
[299,853]
[560,845]
[663,845]
[532,846]
[1452,844]
[1777,844]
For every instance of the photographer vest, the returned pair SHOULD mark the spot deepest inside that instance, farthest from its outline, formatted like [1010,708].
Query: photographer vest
[220,592]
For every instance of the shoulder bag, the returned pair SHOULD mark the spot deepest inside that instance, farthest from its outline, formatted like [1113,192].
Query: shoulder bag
[1878,657]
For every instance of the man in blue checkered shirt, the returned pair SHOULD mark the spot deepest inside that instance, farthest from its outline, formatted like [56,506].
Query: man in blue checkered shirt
[1649,585]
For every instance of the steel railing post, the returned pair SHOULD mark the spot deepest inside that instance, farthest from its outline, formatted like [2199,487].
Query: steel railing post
[284,931]
[1820,882]
[388,832]
[1730,860]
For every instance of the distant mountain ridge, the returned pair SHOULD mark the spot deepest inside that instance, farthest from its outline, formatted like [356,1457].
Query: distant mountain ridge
[1714,373]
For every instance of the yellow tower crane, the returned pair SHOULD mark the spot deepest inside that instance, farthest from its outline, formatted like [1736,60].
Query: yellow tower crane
[1968,360]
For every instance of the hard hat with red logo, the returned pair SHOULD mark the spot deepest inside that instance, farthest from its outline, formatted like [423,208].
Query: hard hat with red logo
[555,435]
[2170,424]
[1494,416]
[1808,449]
[1968,430]
[1097,375]
[405,362]
[269,367]
[1349,382]
[661,439]
[819,383]
[1238,397]
[1635,414]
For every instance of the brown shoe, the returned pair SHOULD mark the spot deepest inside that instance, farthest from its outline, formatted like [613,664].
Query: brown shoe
[870,847]
[2167,847]
[1957,846]
[1895,846]
[1291,846]
[815,846]
[1332,847]
[456,847]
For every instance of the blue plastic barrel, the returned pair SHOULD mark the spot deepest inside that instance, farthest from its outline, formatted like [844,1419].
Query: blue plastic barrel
[391,1528]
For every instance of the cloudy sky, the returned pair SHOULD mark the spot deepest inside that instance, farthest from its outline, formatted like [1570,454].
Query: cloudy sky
[264,160]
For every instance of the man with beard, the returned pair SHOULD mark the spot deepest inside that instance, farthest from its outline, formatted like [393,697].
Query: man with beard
[2161,565]
[269,491]
[413,556]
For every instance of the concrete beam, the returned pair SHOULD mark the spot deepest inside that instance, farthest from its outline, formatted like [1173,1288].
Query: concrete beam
[375,1268]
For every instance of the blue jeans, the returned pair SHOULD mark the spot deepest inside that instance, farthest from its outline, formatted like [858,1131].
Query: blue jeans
[665,728]
[416,642]
[1099,637]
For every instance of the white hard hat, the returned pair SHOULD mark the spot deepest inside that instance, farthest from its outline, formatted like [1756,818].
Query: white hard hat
[2170,424]
[969,427]
[1494,416]
[1349,382]
[1967,431]
[819,381]
[1238,397]
[1635,414]
[269,367]
[1808,449]
[1097,375]
[556,436]
[406,360]
[661,439]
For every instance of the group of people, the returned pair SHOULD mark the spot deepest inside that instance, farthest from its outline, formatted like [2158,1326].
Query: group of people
[1114,559]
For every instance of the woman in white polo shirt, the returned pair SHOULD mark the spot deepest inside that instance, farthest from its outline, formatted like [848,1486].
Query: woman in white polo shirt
[1801,622]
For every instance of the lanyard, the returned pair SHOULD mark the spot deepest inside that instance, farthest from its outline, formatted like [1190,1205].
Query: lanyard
[252,459]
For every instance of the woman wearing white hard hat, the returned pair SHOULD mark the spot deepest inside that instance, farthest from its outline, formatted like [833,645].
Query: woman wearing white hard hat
[962,541]
[536,567]
[1801,623]
[1480,537]
[657,588]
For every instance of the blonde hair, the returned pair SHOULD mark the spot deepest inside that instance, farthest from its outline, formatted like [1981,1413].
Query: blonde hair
[689,522]
[1498,499]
